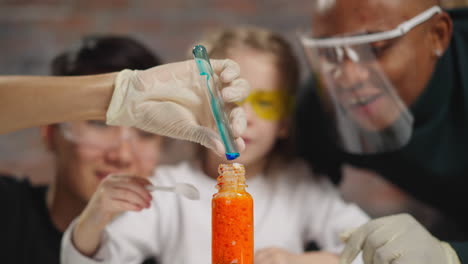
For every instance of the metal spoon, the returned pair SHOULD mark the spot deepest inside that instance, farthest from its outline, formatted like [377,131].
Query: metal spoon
[188,190]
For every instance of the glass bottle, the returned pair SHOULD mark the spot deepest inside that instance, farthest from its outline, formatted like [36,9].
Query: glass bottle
[232,218]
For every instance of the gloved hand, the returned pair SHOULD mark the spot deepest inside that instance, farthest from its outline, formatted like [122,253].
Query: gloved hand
[397,239]
[171,100]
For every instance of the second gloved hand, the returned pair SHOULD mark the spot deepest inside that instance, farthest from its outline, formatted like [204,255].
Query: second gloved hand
[397,239]
[171,100]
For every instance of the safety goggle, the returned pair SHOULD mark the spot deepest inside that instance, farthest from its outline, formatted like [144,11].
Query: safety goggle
[399,31]
[98,135]
[270,105]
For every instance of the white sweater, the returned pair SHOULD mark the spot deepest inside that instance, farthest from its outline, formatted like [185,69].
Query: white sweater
[291,207]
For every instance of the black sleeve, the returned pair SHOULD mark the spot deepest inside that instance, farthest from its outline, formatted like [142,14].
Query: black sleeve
[10,217]
[10,187]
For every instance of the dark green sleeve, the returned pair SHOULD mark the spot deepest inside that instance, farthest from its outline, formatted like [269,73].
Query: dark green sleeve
[312,134]
[462,250]
[460,17]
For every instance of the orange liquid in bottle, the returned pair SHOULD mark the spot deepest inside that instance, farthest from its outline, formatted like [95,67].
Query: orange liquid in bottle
[232,218]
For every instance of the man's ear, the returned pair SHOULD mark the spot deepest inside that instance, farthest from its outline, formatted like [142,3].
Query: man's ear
[441,33]
[47,135]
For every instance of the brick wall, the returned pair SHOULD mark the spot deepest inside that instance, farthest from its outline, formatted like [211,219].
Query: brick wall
[33,31]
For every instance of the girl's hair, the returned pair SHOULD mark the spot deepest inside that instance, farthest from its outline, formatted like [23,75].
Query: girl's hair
[219,44]
[102,54]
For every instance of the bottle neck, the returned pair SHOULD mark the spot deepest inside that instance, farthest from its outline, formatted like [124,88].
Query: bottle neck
[231,187]
[231,177]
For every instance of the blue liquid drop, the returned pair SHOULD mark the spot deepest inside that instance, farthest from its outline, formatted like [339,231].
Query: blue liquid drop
[232,156]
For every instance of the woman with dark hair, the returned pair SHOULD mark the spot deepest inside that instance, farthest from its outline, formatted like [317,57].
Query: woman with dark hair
[103,54]
[86,152]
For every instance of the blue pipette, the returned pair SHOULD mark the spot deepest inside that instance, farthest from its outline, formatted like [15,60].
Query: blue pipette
[216,102]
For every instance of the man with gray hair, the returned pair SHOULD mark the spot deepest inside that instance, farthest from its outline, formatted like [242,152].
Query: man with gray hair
[393,97]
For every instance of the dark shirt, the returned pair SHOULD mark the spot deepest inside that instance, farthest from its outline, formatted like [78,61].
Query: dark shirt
[433,167]
[27,234]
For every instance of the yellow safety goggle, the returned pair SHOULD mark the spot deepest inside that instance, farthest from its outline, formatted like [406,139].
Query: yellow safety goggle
[270,105]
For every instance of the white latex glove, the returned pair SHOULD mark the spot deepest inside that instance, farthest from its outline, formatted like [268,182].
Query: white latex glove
[171,100]
[397,239]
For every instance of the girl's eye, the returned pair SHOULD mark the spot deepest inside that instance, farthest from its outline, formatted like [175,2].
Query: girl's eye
[264,103]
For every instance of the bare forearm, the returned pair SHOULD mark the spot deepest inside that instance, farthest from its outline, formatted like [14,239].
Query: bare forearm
[280,255]
[321,257]
[29,101]
[86,237]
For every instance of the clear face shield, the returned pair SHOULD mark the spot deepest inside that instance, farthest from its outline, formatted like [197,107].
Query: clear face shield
[368,114]
[101,137]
